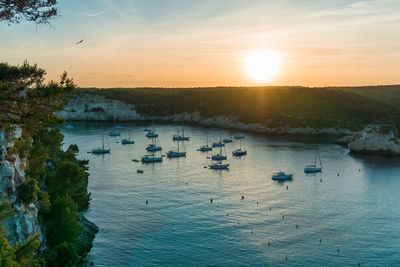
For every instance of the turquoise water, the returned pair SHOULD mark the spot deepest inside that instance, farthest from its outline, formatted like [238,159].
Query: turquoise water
[356,212]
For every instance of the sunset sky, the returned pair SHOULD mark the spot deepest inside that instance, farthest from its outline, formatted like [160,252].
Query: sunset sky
[130,43]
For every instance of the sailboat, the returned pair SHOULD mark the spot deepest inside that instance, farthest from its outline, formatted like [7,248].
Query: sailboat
[239,152]
[219,156]
[239,136]
[205,147]
[178,137]
[153,146]
[228,140]
[101,150]
[151,133]
[313,168]
[151,158]
[128,141]
[219,166]
[220,143]
[114,133]
[176,153]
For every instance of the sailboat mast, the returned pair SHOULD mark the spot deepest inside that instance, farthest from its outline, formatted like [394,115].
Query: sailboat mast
[102,140]
[320,162]
[315,159]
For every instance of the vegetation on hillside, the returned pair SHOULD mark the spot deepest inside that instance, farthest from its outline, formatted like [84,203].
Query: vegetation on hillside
[55,178]
[272,106]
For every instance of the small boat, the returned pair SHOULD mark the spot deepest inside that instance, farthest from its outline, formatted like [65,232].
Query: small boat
[220,143]
[114,133]
[135,160]
[140,171]
[239,152]
[219,166]
[151,159]
[239,136]
[313,168]
[227,140]
[176,153]
[205,147]
[128,141]
[218,157]
[282,176]
[119,127]
[153,147]
[147,130]
[178,137]
[151,134]
[101,150]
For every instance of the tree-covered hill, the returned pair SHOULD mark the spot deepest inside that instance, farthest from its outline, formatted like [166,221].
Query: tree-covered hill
[349,107]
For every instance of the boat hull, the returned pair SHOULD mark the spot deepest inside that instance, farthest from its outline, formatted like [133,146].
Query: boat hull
[127,142]
[205,149]
[312,170]
[151,160]
[219,167]
[173,154]
[218,157]
[114,134]
[101,151]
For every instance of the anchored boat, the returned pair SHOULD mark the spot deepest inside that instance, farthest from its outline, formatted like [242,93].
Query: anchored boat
[101,150]
[128,141]
[282,176]
[313,168]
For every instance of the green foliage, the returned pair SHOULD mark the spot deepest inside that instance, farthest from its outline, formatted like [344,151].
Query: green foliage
[28,191]
[38,11]
[63,226]
[45,203]
[271,106]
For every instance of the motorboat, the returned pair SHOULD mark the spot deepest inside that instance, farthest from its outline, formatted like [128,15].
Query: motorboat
[282,176]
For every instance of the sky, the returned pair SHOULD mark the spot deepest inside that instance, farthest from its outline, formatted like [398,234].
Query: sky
[190,43]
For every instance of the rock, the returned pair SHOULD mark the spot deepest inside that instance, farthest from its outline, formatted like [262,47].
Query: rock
[86,238]
[381,139]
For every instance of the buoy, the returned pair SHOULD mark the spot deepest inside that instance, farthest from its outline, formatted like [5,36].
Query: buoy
[269,244]
[270,208]
[320,240]
[186,183]
[211,200]
[286,258]
[252,233]
[287,187]
[359,170]
[147,202]
[283,216]
[359,263]
[242,197]
[238,222]
[227,214]
[338,250]
[257,202]
[297,226]
[321,180]
[338,174]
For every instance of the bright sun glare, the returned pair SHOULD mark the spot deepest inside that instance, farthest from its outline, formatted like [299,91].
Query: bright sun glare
[262,65]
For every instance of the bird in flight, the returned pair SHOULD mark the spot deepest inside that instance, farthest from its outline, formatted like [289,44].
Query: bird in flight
[81,41]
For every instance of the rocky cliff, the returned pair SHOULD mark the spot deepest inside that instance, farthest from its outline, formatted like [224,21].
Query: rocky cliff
[24,222]
[95,107]
[382,139]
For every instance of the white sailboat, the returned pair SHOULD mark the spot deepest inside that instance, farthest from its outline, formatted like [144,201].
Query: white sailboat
[128,141]
[101,150]
[178,137]
[205,147]
[151,133]
[114,132]
[219,156]
[220,143]
[153,146]
[313,168]
[219,166]
[239,152]
[176,153]
[151,158]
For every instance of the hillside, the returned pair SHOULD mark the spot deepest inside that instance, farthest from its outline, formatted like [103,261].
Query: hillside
[347,107]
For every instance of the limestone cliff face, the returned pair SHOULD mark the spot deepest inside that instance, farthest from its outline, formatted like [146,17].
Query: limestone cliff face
[376,139]
[24,222]
[94,107]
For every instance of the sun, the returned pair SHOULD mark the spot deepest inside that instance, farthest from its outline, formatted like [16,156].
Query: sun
[262,65]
